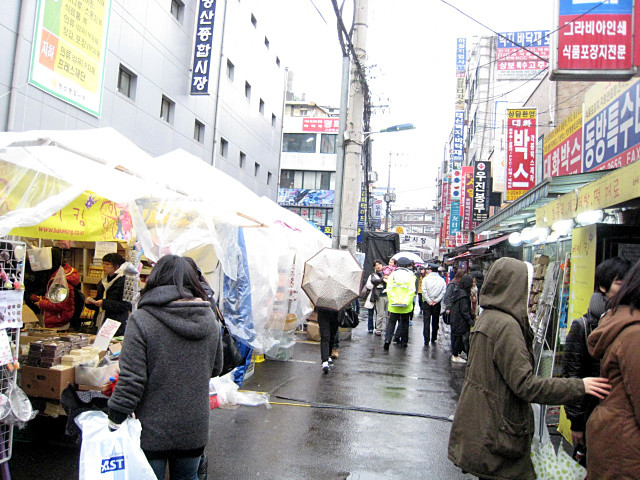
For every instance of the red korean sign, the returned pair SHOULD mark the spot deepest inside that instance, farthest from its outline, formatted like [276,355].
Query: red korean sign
[594,38]
[522,134]
[563,148]
[325,125]
[467,200]
[445,194]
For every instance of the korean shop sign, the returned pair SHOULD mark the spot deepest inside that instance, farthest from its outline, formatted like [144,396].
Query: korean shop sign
[454,218]
[611,133]
[69,51]
[457,154]
[563,147]
[327,125]
[481,191]
[516,63]
[466,201]
[594,40]
[203,44]
[522,133]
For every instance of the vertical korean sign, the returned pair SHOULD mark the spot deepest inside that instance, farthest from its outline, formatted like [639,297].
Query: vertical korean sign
[461,65]
[594,37]
[466,203]
[481,191]
[522,134]
[202,48]
[69,51]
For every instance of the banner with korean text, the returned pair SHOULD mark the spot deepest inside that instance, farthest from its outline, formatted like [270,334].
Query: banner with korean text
[327,125]
[481,191]
[69,51]
[466,208]
[514,62]
[522,134]
[202,48]
[611,132]
[563,147]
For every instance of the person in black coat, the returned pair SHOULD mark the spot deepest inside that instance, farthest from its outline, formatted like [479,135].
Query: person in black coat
[461,318]
[576,361]
[109,302]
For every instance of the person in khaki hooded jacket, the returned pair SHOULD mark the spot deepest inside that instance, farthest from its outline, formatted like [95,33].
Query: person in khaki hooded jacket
[613,430]
[493,425]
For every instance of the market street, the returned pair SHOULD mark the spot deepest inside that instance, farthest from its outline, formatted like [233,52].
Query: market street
[293,442]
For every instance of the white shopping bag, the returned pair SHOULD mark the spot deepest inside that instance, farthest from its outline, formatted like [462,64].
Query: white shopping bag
[109,455]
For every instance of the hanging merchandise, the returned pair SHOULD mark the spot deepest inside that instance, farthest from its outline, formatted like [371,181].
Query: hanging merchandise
[58,288]
[39,258]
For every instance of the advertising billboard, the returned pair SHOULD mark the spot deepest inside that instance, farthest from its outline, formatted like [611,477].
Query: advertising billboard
[516,63]
[298,197]
[69,51]
[593,38]
[522,139]
[481,191]
[325,125]
[611,129]
[563,147]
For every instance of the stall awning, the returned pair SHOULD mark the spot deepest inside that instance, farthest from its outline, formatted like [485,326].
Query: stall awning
[613,189]
[482,247]
[523,210]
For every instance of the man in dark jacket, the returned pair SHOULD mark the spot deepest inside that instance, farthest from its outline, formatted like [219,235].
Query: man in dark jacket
[576,361]
[109,303]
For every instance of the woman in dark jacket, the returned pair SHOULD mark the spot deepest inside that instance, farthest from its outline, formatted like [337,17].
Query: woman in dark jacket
[109,303]
[461,318]
[448,294]
[172,347]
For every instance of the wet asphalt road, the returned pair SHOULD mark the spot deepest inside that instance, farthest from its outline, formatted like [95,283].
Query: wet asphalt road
[290,442]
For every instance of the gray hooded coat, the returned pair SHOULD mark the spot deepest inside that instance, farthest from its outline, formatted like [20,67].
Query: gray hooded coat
[493,425]
[172,347]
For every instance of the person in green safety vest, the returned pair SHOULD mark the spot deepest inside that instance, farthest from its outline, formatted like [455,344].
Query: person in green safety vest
[401,290]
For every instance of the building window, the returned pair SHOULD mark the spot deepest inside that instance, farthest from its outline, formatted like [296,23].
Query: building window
[127,82]
[261,107]
[299,142]
[230,70]
[266,42]
[242,160]
[166,109]
[278,61]
[287,178]
[247,90]
[328,143]
[224,147]
[254,22]
[256,169]
[304,112]
[269,176]
[198,131]
[177,8]
[273,120]
[307,179]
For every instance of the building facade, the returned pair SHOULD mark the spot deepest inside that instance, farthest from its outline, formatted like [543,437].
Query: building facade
[419,230]
[145,77]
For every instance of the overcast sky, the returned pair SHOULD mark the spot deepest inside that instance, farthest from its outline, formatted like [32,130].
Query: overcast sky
[412,45]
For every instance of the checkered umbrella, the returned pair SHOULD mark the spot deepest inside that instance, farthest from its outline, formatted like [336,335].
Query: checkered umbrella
[332,278]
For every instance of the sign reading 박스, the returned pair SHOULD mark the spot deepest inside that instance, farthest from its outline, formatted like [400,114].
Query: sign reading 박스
[69,51]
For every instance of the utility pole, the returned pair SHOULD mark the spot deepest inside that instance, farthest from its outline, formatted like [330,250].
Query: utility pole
[388,197]
[352,174]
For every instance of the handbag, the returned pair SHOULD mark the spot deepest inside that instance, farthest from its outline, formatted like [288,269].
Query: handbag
[231,356]
[364,293]
[349,318]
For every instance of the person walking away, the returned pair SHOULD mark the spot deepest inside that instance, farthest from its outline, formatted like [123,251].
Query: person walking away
[422,272]
[401,290]
[493,424]
[433,288]
[172,347]
[328,325]
[109,303]
[461,319]
[576,361]
[613,430]
[377,284]
[446,301]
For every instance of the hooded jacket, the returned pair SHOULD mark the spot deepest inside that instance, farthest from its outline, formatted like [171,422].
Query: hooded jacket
[613,430]
[493,425]
[577,363]
[460,318]
[433,288]
[172,347]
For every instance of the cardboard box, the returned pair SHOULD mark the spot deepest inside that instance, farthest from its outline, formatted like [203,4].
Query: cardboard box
[46,382]
[313,331]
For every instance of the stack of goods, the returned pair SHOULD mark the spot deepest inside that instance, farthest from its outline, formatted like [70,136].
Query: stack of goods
[52,352]
[540,266]
[76,340]
[35,352]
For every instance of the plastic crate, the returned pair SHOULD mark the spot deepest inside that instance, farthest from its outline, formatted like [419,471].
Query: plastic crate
[281,352]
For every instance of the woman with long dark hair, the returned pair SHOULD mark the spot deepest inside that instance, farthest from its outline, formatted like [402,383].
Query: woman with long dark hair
[172,347]
[613,430]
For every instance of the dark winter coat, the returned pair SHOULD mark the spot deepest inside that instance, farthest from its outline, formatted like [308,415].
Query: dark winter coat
[172,347]
[577,363]
[113,304]
[493,425]
[448,293]
[460,318]
[613,430]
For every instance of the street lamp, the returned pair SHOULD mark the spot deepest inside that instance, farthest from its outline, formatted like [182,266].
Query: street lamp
[394,128]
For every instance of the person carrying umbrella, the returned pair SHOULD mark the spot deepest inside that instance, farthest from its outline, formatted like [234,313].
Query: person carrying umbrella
[401,290]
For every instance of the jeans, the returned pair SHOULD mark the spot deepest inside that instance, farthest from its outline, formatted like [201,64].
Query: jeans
[179,468]
[402,334]
[328,323]
[431,315]
[370,319]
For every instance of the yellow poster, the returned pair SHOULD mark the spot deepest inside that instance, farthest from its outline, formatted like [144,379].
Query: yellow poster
[583,270]
[88,218]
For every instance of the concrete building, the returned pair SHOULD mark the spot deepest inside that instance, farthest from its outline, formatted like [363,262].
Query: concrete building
[418,230]
[148,57]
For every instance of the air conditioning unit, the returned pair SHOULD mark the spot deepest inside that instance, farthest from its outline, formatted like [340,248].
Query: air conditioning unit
[372,176]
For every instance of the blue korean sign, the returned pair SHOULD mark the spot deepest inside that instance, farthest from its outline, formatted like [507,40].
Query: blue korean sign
[611,136]
[454,218]
[461,55]
[534,38]
[458,138]
[202,48]
[580,7]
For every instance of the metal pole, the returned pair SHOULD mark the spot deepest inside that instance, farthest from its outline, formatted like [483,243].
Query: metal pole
[20,58]
[215,110]
[386,220]
[342,126]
